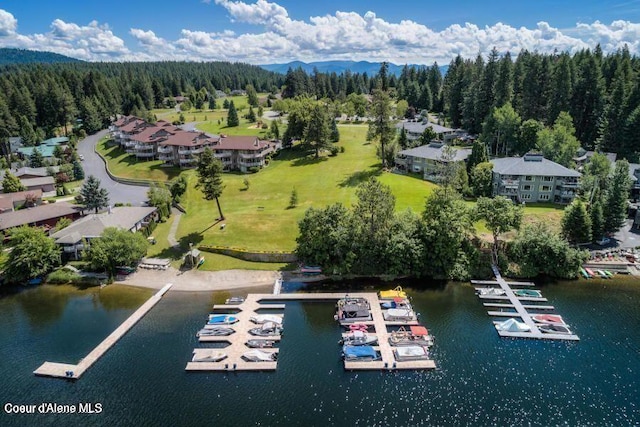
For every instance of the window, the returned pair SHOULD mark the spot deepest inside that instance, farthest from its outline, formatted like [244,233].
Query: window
[526,187]
[543,197]
[547,178]
[528,178]
[545,188]
[526,197]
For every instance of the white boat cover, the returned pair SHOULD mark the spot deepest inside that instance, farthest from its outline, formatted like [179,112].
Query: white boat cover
[258,355]
[264,318]
[208,356]
[411,351]
[398,313]
[512,325]
[490,291]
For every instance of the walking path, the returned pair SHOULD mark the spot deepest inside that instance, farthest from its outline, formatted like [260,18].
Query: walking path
[171,237]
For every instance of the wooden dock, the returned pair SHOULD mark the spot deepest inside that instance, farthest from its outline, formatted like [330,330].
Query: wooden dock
[528,307]
[520,311]
[69,371]
[254,302]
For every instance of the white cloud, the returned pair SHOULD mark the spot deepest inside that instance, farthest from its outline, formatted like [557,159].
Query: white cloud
[341,35]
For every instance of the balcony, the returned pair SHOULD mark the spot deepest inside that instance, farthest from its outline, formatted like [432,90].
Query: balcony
[570,184]
[190,151]
[251,156]
[145,154]
[165,149]
[510,183]
[508,191]
[187,160]
[220,154]
[166,157]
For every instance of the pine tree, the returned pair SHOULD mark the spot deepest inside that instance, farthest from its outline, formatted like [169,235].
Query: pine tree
[616,201]
[36,159]
[251,115]
[293,200]
[597,220]
[11,183]
[334,135]
[380,127]
[403,141]
[210,178]
[78,171]
[225,104]
[478,155]
[317,132]
[576,223]
[93,196]
[504,82]
[232,116]
[274,129]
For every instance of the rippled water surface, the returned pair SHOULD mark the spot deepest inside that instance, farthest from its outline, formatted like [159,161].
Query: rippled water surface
[481,379]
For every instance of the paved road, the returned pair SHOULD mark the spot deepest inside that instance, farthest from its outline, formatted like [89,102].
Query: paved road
[93,165]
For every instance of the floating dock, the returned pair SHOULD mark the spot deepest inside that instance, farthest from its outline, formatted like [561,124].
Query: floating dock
[69,371]
[255,302]
[518,310]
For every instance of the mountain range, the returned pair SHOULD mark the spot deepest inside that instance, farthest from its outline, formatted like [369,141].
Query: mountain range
[338,67]
[21,56]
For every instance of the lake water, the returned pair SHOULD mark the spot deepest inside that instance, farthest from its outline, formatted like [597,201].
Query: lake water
[481,379]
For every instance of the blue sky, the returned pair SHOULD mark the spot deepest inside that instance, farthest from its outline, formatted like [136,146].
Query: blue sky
[266,31]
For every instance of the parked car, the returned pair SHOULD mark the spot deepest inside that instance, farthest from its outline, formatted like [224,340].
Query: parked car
[603,242]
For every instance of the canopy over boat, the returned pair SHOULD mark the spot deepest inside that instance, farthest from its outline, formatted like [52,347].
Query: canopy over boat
[419,331]
[359,352]
[263,318]
[221,319]
[531,293]
[258,356]
[397,292]
[398,313]
[208,355]
[411,352]
[512,325]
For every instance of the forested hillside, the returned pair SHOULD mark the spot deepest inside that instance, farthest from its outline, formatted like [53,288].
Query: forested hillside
[37,99]
[21,56]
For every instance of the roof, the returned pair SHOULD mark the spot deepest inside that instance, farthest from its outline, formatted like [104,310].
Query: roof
[434,152]
[45,150]
[36,214]
[534,165]
[241,143]
[633,167]
[36,171]
[419,127]
[55,141]
[8,199]
[188,138]
[35,182]
[93,225]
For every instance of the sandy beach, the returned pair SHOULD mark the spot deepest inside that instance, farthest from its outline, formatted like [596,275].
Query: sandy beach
[195,280]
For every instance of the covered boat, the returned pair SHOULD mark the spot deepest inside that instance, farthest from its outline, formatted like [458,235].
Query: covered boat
[555,329]
[218,331]
[268,329]
[264,318]
[398,314]
[357,327]
[353,310]
[311,269]
[512,325]
[490,291]
[261,343]
[548,318]
[359,338]
[528,293]
[359,353]
[221,319]
[416,335]
[390,294]
[396,303]
[234,300]
[259,356]
[414,352]
[208,355]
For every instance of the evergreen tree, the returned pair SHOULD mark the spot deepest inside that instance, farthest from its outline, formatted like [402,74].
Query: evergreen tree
[274,129]
[11,183]
[225,104]
[587,104]
[562,84]
[504,82]
[317,132]
[78,171]
[334,135]
[597,221]
[210,178]
[403,141]
[380,127]
[232,116]
[212,103]
[617,194]
[251,115]
[478,154]
[252,95]
[36,159]
[576,223]
[293,200]
[26,131]
[93,196]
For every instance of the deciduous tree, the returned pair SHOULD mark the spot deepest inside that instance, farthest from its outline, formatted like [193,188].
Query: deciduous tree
[500,215]
[33,254]
[116,247]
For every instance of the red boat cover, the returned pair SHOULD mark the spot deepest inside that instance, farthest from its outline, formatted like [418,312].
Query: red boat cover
[419,330]
[398,300]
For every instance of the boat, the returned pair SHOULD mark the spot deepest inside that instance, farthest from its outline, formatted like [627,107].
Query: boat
[490,291]
[548,318]
[527,293]
[308,269]
[264,318]
[358,338]
[414,352]
[218,331]
[234,301]
[268,329]
[608,273]
[396,303]
[260,343]
[555,329]
[512,325]
[357,327]
[259,356]
[390,294]
[208,355]
[416,335]
[399,314]
[353,310]
[602,274]
[590,271]
[584,273]
[221,319]
[360,353]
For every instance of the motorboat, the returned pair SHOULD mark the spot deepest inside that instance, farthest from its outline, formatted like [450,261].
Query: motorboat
[360,353]
[555,329]
[416,335]
[357,327]
[390,294]
[268,329]
[584,273]
[358,338]
[208,355]
[261,343]
[527,293]
[395,303]
[548,318]
[234,301]
[218,331]
[259,356]
[496,292]
[602,274]
[264,318]
[353,310]
[221,319]
[413,352]
[512,325]
[399,314]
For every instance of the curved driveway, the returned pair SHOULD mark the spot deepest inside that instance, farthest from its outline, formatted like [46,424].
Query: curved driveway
[93,165]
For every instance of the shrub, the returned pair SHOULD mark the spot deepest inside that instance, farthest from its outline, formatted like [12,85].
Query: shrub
[253,169]
[342,149]
[63,276]
[333,151]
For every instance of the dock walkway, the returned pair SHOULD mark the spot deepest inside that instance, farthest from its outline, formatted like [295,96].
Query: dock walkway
[69,371]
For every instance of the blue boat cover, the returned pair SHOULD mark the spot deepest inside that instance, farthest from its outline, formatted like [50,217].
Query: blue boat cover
[359,351]
[222,318]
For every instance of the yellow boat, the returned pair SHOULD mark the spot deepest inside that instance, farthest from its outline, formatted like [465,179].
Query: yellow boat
[396,292]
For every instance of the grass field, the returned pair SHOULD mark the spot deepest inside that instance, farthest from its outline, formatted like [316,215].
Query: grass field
[126,166]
